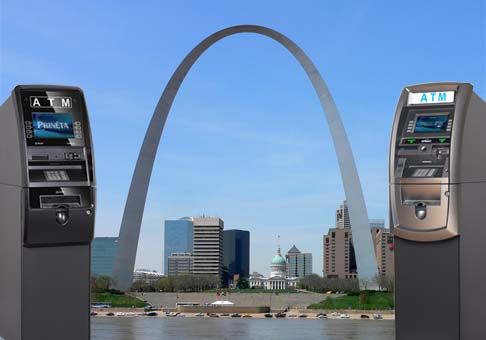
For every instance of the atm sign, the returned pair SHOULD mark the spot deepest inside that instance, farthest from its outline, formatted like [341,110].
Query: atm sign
[50,102]
[430,97]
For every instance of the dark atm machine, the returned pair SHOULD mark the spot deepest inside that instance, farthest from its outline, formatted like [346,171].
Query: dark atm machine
[47,208]
[438,212]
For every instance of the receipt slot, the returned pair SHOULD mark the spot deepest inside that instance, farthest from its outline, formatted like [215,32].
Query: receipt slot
[47,204]
[438,212]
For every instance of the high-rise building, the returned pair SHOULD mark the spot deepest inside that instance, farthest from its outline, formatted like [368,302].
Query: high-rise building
[377,223]
[103,250]
[236,253]
[342,217]
[384,247]
[180,263]
[298,264]
[339,257]
[178,238]
[208,246]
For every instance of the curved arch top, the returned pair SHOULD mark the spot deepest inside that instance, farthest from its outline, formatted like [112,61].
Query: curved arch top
[135,204]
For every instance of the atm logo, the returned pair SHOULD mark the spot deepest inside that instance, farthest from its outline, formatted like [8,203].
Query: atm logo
[50,102]
[431,97]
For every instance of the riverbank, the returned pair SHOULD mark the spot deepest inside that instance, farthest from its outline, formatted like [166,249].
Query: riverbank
[310,314]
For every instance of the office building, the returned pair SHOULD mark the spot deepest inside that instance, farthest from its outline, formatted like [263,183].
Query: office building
[377,223]
[338,249]
[342,217]
[339,258]
[208,246]
[384,247]
[178,238]
[180,263]
[236,253]
[298,264]
[146,276]
[103,250]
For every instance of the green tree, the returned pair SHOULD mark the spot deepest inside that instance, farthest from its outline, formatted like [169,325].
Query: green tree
[101,283]
[243,283]
[316,283]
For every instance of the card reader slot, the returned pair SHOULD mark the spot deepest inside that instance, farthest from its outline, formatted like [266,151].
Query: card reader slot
[55,167]
[54,201]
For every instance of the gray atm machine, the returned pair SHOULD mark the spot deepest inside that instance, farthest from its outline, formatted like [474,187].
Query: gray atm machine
[47,196]
[438,212]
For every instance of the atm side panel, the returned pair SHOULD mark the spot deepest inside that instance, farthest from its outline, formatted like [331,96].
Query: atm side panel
[10,258]
[427,290]
[12,167]
[56,281]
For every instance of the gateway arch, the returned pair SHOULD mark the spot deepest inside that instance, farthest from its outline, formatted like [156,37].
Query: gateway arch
[135,204]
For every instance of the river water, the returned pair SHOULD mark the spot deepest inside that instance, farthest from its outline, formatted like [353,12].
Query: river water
[146,328]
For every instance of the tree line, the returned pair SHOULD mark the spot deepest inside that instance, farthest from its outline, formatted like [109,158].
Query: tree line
[318,284]
[178,283]
[201,283]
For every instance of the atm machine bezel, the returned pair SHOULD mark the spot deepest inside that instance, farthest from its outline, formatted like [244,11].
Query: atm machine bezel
[448,228]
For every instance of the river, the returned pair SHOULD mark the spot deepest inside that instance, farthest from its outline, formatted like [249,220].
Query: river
[130,328]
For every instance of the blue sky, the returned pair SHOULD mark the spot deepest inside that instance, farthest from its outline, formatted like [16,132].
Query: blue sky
[246,138]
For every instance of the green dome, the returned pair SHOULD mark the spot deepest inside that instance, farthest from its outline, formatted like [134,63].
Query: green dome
[278,259]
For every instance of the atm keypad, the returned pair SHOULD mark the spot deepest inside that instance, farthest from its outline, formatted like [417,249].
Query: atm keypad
[424,172]
[56,175]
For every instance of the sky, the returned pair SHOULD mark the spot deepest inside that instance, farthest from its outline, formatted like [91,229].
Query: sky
[246,139]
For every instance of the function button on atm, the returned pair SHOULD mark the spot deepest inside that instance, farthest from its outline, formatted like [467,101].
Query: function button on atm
[449,126]
[410,126]
[409,141]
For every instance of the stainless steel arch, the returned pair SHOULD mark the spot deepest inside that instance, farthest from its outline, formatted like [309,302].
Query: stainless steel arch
[135,204]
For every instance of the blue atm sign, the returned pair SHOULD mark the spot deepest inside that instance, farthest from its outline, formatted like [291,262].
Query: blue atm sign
[431,97]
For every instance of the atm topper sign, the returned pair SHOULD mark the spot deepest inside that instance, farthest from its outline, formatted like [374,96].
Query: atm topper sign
[421,98]
[50,102]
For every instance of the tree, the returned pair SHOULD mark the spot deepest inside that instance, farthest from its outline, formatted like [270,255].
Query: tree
[316,283]
[384,282]
[101,283]
[243,283]
[142,286]
[365,282]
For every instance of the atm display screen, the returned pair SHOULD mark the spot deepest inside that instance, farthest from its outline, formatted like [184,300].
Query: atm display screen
[431,123]
[52,125]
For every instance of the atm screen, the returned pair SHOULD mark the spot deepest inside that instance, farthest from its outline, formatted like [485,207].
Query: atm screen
[52,125]
[431,123]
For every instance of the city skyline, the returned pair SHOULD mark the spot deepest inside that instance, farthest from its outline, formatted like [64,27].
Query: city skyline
[276,175]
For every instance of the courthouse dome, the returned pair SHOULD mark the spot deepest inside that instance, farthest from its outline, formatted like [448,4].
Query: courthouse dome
[278,259]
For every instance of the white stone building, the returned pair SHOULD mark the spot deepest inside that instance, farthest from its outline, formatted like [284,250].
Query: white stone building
[278,279]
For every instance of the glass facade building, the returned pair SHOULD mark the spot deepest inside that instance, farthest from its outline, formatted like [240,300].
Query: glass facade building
[103,250]
[298,264]
[236,253]
[178,238]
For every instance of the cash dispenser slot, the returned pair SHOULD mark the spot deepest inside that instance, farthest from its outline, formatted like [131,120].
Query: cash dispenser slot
[421,203]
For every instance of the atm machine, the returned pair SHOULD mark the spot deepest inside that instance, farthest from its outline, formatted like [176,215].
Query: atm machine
[47,207]
[438,212]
